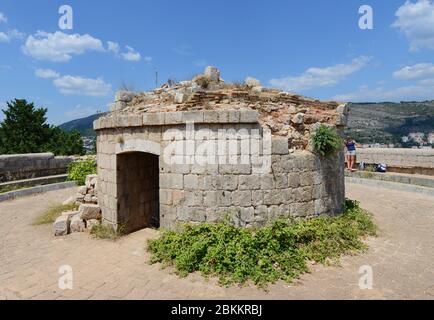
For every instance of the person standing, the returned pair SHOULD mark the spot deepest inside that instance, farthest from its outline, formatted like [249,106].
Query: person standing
[350,146]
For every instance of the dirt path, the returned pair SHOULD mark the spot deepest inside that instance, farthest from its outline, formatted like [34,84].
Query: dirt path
[401,259]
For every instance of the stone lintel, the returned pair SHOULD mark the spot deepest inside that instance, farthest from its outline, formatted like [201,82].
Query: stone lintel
[175,118]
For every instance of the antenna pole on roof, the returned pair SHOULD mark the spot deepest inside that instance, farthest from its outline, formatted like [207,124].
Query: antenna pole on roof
[156,79]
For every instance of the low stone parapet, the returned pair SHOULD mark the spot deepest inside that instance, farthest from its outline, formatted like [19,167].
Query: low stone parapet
[27,166]
[416,161]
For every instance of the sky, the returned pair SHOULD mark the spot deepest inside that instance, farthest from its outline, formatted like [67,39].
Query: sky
[321,49]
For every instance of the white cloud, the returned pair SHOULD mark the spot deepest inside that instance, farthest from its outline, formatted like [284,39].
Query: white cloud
[46,73]
[416,21]
[427,82]
[423,90]
[10,35]
[417,71]
[59,46]
[81,112]
[113,47]
[200,63]
[320,77]
[75,85]
[131,54]
[3,18]
[183,50]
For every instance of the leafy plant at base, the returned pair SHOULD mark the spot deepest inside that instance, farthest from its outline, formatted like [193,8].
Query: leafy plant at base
[107,232]
[326,140]
[280,251]
[77,171]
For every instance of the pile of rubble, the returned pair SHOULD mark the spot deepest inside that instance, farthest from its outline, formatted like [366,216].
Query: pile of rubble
[285,114]
[88,213]
[87,193]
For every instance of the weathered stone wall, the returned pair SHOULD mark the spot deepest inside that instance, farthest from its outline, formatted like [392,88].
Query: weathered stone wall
[26,166]
[400,160]
[297,183]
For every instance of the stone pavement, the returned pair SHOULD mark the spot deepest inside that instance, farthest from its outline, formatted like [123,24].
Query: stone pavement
[30,256]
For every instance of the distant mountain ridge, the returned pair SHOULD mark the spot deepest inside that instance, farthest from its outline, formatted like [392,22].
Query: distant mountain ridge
[384,122]
[388,122]
[83,125]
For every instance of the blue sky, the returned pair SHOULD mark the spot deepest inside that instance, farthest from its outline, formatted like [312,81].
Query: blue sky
[311,47]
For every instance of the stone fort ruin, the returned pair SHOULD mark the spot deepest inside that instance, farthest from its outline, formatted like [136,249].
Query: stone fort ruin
[205,150]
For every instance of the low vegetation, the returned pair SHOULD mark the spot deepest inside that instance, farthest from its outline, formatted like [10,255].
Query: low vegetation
[107,232]
[202,81]
[326,140]
[77,171]
[280,251]
[51,214]
[9,188]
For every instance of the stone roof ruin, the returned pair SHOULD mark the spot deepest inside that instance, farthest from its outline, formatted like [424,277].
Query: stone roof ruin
[285,114]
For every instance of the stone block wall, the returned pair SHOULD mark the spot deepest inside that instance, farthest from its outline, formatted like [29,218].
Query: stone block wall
[278,181]
[26,166]
[400,160]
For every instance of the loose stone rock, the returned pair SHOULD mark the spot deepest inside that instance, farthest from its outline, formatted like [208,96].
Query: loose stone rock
[212,73]
[77,224]
[89,211]
[92,222]
[69,201]
[61,226]
[82,190]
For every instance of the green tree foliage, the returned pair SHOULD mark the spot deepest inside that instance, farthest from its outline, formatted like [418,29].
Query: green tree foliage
[24,130]
[64,143]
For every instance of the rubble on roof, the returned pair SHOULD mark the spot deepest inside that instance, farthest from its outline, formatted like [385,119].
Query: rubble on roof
[284,113]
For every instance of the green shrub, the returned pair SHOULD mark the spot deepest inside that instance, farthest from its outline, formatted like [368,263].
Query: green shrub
[77,171]
[326,140]
[280,251]
[102,231]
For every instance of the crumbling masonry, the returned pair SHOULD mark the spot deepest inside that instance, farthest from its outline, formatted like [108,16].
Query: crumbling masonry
[205,150]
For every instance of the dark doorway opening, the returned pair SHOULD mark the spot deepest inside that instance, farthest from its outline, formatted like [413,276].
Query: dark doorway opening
[138,190]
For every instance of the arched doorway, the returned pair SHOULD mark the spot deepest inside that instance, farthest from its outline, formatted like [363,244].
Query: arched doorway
[138,190]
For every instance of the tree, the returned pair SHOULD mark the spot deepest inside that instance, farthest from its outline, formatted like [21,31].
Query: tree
[24,129]
[64,143]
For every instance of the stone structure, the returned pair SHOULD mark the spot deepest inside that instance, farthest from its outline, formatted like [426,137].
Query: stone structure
[26,166]
[415,161]
[88,213]
[87,194]
[204,150]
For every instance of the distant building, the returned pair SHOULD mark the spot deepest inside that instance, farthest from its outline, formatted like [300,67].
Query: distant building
[418,137]
[431,138]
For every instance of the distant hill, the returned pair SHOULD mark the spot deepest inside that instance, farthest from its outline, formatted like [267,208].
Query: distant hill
[84,125]
[387,122]
[384,122]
